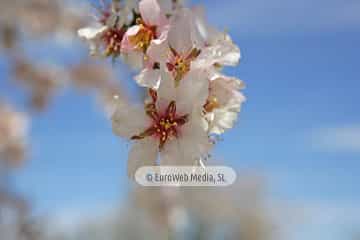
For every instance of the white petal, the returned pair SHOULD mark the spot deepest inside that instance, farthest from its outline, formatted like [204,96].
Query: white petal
[149,78]
[143,153]
[192,143]
[159,51]
[172,154]
[180,33]
[194,139]
[227,90]
[150,12]
[165,6]
[208,34]
[225,53]
[222,120]
[193,90]
[167,90]
[126,45]
[128,121]
[91,33]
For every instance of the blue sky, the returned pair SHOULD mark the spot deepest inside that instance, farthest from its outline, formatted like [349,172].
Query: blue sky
[299,128]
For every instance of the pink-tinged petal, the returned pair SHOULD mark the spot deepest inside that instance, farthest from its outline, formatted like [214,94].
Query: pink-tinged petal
[172,154]
[143,153]
[166,6]
[192,143]
[226,90]
[149,78]
[166,91]
[180,33]
[222,119]
[163,30]
[193,90]
[159,51]
[126,45]
[151,13]
[225,53]
[194,138]
[128,121]
[206,33]
[229,100]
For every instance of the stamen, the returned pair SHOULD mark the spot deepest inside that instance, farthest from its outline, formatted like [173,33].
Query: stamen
[141,40]
[165,126]
[180,65]
[112,39]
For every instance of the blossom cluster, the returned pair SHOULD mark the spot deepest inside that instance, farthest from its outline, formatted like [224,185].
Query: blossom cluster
[180,58]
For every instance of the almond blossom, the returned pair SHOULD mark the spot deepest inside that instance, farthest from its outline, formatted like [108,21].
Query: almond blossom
[218,47]
[41,81]
[189,44]
[149,26]
[174,52]
[170,124]
[109,31]
[180,58]
[223,103]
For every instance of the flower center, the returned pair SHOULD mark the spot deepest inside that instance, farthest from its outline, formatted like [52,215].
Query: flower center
[180,65]
[112,39]
[165,125]
[142,39]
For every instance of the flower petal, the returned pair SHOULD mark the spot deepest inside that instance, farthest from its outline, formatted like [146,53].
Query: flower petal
[193,90]
[149,78]
[126,45]
[151,12]
[159,51]
[226,90]
[143,153]
[128,121]
[171,155]
[91,33]
[192,144]
[222,119]
[225,53]
[180,33]
[166,91]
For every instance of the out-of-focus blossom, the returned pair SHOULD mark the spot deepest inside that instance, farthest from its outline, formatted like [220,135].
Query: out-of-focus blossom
[8,35]
[101,79]
[87,75]
[13,135]
[41,81]
[238,212]
[39,17]
[171,123]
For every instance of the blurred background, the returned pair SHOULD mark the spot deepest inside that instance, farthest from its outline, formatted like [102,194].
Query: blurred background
[296,145]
